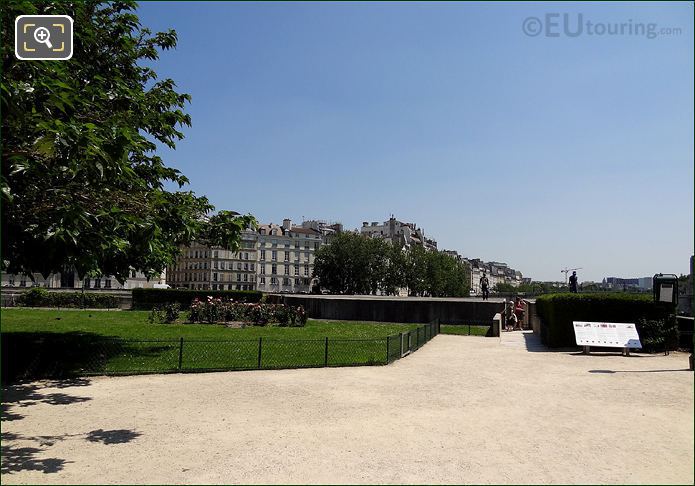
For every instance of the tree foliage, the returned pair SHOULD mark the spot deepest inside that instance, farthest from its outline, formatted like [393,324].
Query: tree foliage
[82,184]
[352,264]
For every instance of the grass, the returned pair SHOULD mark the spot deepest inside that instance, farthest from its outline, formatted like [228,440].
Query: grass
[464,330]
[43,343]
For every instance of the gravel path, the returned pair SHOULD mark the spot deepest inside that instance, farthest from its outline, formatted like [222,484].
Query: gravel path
[460,410]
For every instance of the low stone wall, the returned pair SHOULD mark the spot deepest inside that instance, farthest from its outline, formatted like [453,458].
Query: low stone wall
[392,309]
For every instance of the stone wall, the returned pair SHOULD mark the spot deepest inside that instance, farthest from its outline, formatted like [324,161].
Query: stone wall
[385,309]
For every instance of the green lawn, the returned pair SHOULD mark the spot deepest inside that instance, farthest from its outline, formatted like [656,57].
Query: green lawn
[134,325]
[38,343]
[464,330]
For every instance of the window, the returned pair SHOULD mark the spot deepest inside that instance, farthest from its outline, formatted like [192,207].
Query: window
[252,265]
[296,244]
[287,256]
[107,283]
[214,254]
[262,281]
[296,269]
[214,265]
[132,274]
[273,281]
[296,256]
[238,277]
[316,245]
[306,245]
[246,255]
[296,280]
[214,276]
[246,277]
[238,266]
[196,253]
[287,244]
[286,281]
[246,266]
[214,286]
[287,269]
[274,270]
[262,254]
[97,283]
[306,270]
[86,283]
[205,265]
[275,255]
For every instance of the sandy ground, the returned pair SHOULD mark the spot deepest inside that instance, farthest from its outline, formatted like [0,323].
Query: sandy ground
[460,410]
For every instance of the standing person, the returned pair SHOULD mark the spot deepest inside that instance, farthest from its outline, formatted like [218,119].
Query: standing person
[573,283]
[510,317]
[519,312]
[485,286]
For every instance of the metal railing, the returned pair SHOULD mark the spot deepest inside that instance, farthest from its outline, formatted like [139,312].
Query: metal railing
[75,355]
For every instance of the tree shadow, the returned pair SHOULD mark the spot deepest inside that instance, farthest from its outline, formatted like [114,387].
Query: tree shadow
[16,459]
[118,436]
[44,355]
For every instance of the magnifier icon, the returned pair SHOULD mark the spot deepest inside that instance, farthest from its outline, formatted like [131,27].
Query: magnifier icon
[43,36]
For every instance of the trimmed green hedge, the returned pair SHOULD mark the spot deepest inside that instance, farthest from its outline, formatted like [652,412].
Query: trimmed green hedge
[145,299]
[40,297]
[557,311]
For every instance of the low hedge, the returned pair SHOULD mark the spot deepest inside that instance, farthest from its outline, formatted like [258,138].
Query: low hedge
[40,297]
[145,299]
[557,311]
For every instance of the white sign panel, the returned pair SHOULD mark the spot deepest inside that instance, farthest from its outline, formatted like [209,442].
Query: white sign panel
[666,293]
[606,334]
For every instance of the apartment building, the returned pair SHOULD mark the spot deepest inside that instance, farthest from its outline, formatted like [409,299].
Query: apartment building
[497,273]
[203,268]
[286,256]
[70,280]
[398,232]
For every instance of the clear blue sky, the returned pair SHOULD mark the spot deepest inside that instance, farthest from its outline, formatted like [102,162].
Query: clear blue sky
[542,152]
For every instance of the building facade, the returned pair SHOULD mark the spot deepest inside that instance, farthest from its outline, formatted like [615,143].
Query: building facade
[273,258]
[286,256]
[203,268]
[70,280]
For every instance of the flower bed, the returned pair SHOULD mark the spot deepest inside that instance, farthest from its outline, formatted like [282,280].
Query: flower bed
[216,310]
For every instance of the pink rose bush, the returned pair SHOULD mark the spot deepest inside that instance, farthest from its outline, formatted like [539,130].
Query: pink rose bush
[214,310]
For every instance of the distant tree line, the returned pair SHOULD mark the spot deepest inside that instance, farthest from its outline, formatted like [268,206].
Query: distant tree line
[353,264]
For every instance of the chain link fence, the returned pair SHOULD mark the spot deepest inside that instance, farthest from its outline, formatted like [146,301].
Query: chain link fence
[65,355]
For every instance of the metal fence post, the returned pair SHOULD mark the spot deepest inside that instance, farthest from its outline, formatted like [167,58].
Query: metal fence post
[418,338]
[260,349]
[388,342]
[180,353]
[325,357]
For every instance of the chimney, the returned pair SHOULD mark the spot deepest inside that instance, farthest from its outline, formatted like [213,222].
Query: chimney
[287,223]
[365,223]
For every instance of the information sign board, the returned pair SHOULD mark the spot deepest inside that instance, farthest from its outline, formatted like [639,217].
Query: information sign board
[606,334]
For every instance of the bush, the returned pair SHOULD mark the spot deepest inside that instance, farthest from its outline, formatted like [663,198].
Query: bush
[658,334]
[40,297]
[557,311]
[146,299]
[166,313]
[212,310]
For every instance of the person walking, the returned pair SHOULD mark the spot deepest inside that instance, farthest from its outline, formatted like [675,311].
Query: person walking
[573,283]
[485,286]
